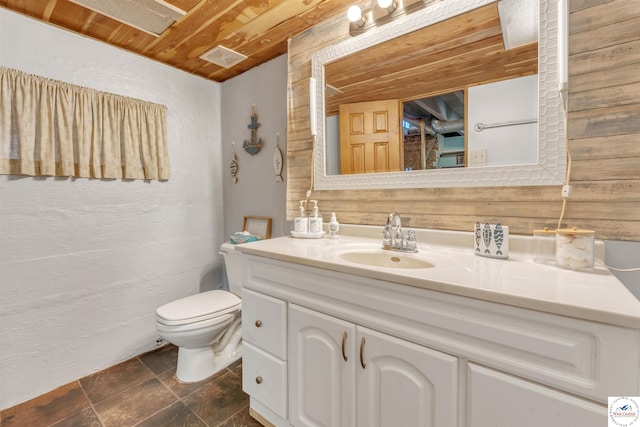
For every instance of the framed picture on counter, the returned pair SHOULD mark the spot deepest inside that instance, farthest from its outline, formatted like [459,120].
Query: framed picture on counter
[259,226]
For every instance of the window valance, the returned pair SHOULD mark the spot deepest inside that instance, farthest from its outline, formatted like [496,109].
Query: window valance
[58,129]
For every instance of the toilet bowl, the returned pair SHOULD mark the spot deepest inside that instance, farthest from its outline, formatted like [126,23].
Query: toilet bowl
[206,327]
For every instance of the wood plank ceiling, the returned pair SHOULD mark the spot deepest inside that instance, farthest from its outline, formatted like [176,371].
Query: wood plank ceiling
[258,29]
[462,51]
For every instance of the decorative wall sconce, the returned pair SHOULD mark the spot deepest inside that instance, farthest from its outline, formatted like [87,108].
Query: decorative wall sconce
[379,13]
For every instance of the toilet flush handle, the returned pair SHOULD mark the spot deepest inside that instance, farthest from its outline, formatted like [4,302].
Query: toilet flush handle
[258,323]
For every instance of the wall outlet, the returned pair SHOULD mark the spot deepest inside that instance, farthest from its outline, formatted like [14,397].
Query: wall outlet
[478,158]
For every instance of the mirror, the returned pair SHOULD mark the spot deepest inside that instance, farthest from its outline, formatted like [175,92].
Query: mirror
[548,163]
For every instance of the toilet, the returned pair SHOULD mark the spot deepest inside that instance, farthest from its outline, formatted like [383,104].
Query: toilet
[206,327]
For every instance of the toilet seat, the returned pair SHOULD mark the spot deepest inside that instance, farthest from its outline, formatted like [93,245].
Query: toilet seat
[198,308]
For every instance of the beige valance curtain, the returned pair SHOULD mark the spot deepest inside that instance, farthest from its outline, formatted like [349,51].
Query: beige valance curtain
[58,129]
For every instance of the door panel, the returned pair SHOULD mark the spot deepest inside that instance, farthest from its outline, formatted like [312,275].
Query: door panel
[370,137]
[501,400]
[322,387]
[404,384]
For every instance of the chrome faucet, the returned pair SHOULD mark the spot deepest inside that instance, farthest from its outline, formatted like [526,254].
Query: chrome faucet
[393,238]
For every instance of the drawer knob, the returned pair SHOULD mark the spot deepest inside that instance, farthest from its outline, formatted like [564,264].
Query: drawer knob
[258,323]
[259,380]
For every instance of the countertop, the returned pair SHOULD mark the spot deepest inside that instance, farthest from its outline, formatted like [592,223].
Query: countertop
[595,295]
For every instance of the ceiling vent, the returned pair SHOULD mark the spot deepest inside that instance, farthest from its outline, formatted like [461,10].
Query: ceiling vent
[151,16]
[224,57]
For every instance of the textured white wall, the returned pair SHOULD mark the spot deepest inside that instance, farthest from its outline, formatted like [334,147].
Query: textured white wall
[256,193]
[84,263]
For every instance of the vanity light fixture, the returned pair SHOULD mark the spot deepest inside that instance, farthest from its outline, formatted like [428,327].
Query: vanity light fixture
[312,107]
[356,20]
[379,13]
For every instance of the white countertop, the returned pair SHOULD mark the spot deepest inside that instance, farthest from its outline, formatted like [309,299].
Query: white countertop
[596,295]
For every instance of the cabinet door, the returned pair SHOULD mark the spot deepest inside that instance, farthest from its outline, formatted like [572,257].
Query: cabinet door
[501,400]
[322,382]
[404,384]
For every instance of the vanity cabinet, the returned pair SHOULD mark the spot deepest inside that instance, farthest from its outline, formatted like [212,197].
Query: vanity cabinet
[349,375]
[430,358]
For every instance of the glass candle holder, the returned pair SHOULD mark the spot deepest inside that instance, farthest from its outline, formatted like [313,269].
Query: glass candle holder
[544,246]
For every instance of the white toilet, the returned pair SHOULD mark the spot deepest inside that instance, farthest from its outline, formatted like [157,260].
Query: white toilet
[206,327]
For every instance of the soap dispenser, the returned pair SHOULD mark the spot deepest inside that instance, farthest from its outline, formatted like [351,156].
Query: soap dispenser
[334,227]
[315,220]
[301,222]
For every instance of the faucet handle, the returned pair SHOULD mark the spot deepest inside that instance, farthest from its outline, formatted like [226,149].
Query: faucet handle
[411,239]
[386,236]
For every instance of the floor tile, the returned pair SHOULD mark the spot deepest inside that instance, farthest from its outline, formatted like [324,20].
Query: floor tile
[109,382]
[85,418]
[218,400]
[179,388]
[236,368]
[47,409]
[161,360]
[176,415]
[241,419]
[134,405]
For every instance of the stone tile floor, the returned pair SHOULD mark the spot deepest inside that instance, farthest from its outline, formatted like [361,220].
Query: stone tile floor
[141,392]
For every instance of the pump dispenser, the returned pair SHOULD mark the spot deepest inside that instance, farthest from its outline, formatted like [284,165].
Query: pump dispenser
[301,222]
[315,220]
[334,227]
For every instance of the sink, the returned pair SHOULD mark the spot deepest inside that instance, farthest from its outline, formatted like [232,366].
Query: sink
[385,259]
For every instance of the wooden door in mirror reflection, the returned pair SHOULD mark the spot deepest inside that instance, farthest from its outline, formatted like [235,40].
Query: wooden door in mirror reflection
[370,138]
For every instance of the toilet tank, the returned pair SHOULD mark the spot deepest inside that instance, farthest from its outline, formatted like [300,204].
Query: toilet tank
[233,265]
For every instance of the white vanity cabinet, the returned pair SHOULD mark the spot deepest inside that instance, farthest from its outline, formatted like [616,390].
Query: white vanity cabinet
[430,358]
[345,375]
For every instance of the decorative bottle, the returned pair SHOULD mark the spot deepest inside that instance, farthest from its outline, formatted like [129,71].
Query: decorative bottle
[301,222]
[315,220]
[334,226]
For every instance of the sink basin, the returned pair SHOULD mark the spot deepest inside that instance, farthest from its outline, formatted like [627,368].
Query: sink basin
[385,259]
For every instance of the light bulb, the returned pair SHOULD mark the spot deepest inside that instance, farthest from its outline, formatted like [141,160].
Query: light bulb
[388,5]
[354,14]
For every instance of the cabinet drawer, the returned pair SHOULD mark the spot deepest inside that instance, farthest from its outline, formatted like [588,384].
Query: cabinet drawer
[264,322]
[501,400]
[265,378]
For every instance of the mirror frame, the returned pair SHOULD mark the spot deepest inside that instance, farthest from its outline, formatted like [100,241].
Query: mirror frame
[552,156]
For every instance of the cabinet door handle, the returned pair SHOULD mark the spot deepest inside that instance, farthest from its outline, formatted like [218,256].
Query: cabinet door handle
[259,380]
[258,323]
[364,365]
[344,340]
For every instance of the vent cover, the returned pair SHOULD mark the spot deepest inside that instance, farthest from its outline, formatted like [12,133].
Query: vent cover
[151,16]
[222,56]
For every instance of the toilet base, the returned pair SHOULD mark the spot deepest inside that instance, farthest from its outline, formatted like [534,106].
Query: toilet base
[197,364]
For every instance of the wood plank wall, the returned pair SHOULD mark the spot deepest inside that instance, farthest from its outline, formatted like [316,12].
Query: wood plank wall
[603,133]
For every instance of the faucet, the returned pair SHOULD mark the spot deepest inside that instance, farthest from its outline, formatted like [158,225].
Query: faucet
[393,238]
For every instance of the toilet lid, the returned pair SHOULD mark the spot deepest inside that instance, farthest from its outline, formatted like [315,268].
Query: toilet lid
[198,307]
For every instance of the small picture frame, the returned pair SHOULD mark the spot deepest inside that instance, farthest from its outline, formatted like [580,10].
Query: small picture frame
[259,226]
